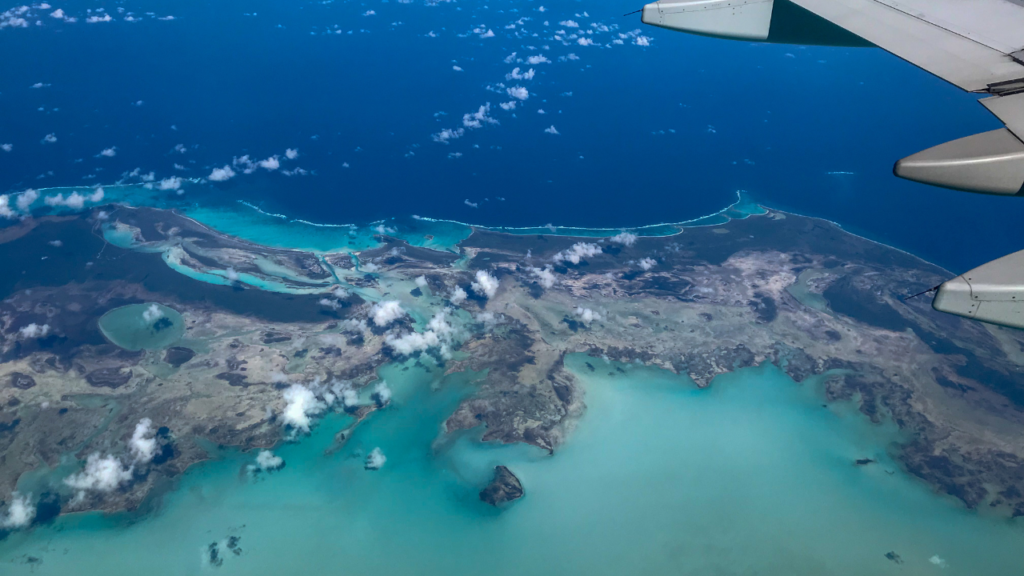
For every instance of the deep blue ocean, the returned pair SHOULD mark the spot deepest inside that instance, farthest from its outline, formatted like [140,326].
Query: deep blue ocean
[663,132]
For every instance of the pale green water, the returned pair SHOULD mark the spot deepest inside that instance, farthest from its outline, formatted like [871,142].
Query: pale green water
[129,328]
[752,476]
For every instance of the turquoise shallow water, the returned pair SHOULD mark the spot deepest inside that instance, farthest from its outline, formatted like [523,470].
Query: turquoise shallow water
[147,326]
[751,476]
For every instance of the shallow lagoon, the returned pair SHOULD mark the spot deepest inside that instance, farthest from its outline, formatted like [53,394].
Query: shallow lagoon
[142,326]
[750,476]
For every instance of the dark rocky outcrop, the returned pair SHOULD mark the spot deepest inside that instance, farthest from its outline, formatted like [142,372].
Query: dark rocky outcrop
[112,377]
[505,487]
[22,381]
[178,355]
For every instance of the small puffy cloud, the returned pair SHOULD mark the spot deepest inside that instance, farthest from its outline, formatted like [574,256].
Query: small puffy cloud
[457,68]
[291,153]
[552,130]
[386,312]
[5,208]
[647,263]
[20,513]
[568,24]
[271,163]
[108,152]
[101,474]
[485,284]
[458,296]
[58,13]
[471,204]
[172,183]
[143,444]
[26,199]
[936,560]
[34,330]
[55,243]
[515,74]
[479,118]
[95,19]
[546,277]
[300,404]
[518,92]
[6,147]
[221,174]
[369,13]
[643,40]
[152,314]
[538,59]
[231,275]
[488,34]
[586,315]
[381,393]
[446,135]
[624,238]
[74,201]
[578,252]
[375,460]
[267,461]
[421,281]
[413,342]
[49,139]
[508,105]
[585,42]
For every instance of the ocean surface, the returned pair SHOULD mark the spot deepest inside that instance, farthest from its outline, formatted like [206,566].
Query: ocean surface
[662,127]
[750,476]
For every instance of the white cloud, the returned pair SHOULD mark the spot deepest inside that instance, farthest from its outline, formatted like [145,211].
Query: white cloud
[172,183]
[578,252]
[568,24]
[458,296]
[231,275]
[625,238]
[267,461]
[101,474]
[375,460]
[421,281]
[479,118]
[940,562]
[510,58]
[585,42]
[518,92]
[221,174]
[444,136]
[58,13]
[508,105]
[546,277]
[457,68]
[538,59]
[369,13]
[26,199]
[471,204]
[515,74]
[108,152]
[20,513]
[291,153]
[386,312]
[5,208]
[381,393]
[301,403]
[95,19]
[552,130]
[6,147]
[488,34]
[152,314]
[55,243]
[143,445]
[49,139]
[271,163]
[438,334]
[34,330]
[643,40]
[647,263]
[485,284]
[587,315]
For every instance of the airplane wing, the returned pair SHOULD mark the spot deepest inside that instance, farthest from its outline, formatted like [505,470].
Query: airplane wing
[977,45]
